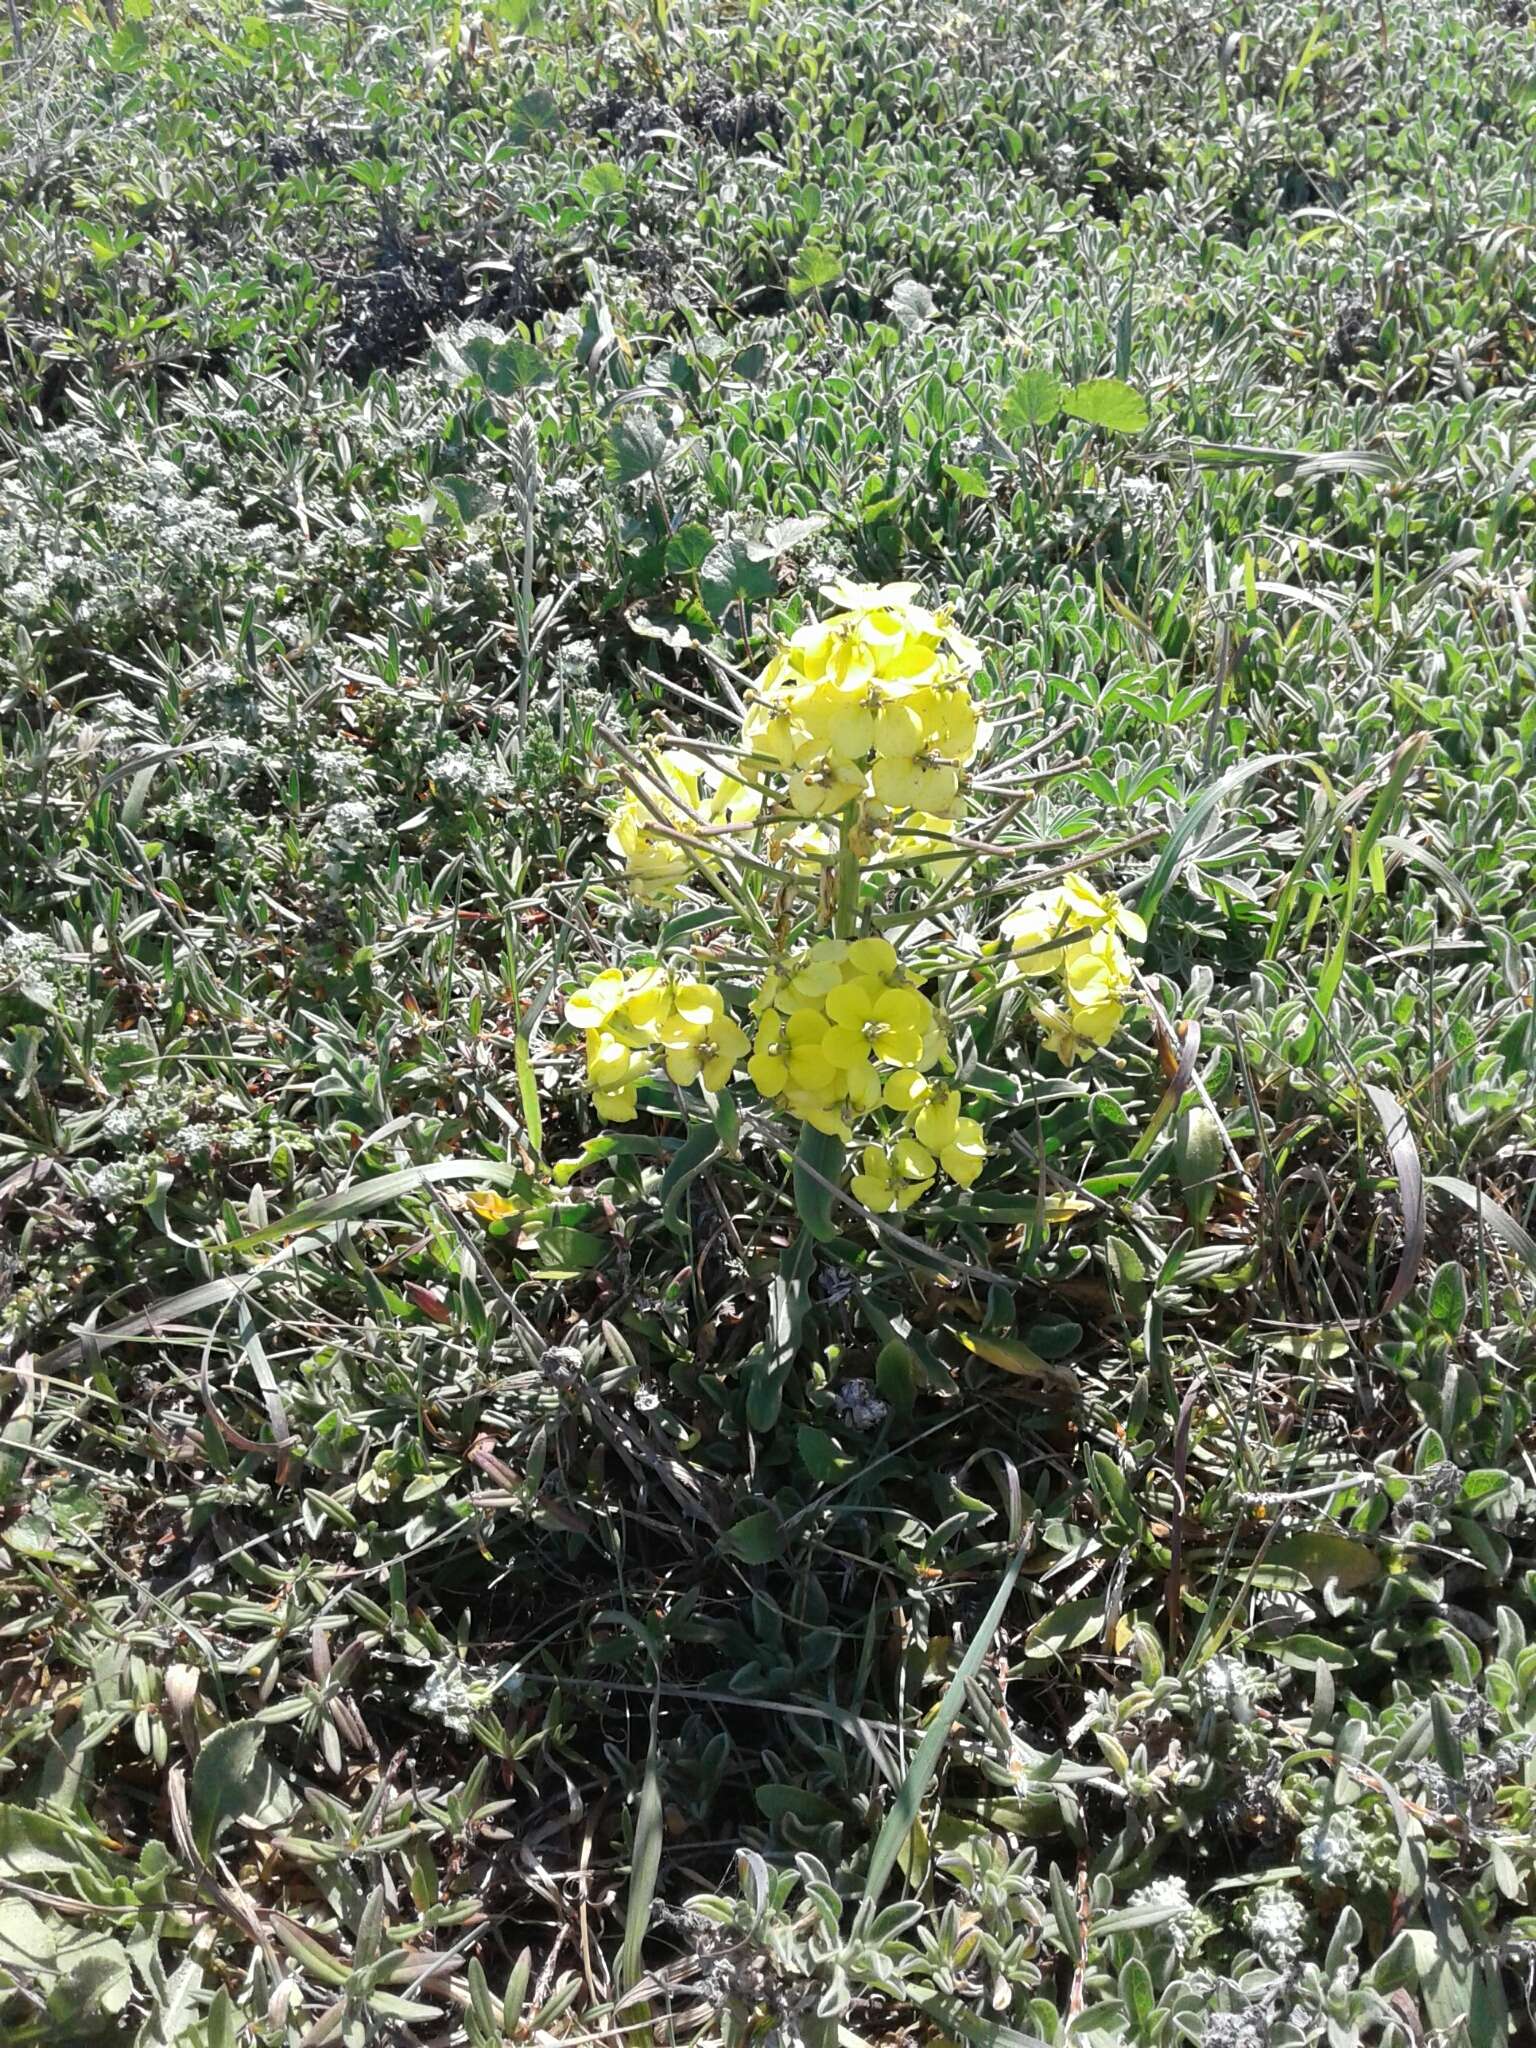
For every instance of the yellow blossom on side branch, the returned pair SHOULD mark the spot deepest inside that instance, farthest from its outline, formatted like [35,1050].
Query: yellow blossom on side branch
[1071,938]
[675,791]
[637,1023]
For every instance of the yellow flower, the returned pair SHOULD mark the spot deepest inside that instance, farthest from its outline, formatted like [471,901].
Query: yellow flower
[615,1105]
[824,788]
[593,1005]
[872,1184]
[966,1153]
[1094,907]
[873,956]
[649,1012]
[1073,1033]
[863,598]
[712,1058]
[611,1063]
[938,1119]
[913,1162]
[890,1180]
[924,783]
[872,704]
[692,1009]
[906,1090]
[1034,931]
[1097,970]
[872,1020]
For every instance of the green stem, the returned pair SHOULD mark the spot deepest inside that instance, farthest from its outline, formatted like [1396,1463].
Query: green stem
[845,914]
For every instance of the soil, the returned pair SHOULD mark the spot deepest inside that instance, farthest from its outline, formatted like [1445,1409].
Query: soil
[734,121]
[395,307]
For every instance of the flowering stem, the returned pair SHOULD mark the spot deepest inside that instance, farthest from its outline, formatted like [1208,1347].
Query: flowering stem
[845,911]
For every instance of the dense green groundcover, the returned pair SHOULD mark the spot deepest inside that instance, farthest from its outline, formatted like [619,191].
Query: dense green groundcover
[635,1618]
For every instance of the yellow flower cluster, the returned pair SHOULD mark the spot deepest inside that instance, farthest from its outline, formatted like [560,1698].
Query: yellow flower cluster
[633,1021]
[687,794]
[1073,935]
[841,1035]
[872,705]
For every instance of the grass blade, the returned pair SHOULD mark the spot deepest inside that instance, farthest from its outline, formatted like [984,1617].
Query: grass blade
[898,1822]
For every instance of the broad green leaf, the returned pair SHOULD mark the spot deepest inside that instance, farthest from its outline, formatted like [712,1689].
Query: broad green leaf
[756,1539]
[1065,1629]
[81,1973]
[817,266]
[689,549]
[820,1455]
[1107,402]
[736,572]
[1034,399]
[796,1802]
[466,499]
[232,1780]
[602,181]
[569,1250]
[911,305]
[1013,1355]
[637,447]
[1324,1558]
[1448,1297]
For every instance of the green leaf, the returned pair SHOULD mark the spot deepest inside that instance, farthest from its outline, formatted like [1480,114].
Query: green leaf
[1107,402]
[689,549]
[511,366]
[1324,1558]
[1199,1159]
[898,1375]
[788,1300]
[1034,400]
[1448,1297]
[637,447]
[465,498]
[232,1780]
[817,266]
[567,1250]
[756,1539]
[644,1864]
[1066,1628]
[83,1975]
[795,1802]
[736,572]
[903,1816]
[1131,1919]
[700,1149]
[369,1196]
[968,483]
[602,181]
[528,1093]
[818,1165]
[1495,1220]
[911,305]
[1012,1355]
[1193,816]
[820,1455]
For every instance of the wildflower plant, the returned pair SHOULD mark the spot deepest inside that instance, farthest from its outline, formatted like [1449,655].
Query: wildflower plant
[837,982]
